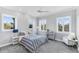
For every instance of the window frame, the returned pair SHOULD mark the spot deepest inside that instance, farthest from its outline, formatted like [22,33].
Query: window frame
[63,25]
[41,23]
[3,22]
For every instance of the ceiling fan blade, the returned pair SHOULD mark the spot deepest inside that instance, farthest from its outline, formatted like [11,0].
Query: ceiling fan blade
[41,11]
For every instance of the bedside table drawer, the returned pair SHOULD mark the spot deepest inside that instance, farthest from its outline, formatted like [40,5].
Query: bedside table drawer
[15,40]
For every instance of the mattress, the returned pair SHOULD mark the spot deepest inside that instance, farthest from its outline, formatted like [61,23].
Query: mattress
[33,42]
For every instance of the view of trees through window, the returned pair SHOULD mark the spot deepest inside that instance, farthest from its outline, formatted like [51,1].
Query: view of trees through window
[42,25]
[63,24]
[8,22]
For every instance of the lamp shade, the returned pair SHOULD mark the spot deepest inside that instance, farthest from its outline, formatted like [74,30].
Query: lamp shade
[30,26]
[15,30]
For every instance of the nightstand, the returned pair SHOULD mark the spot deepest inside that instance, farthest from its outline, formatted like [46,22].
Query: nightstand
[15,39]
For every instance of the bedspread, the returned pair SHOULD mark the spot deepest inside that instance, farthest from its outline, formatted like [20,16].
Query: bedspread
[33,42]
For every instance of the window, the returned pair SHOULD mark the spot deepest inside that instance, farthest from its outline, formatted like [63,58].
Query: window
[8,22]
[64,24]
[42,25]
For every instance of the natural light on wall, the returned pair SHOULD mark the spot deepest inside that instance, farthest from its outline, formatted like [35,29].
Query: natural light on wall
[8,22]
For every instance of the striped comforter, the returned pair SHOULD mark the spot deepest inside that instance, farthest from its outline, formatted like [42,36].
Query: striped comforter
[32,42]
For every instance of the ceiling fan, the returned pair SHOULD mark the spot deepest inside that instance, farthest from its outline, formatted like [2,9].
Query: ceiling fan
[42,11]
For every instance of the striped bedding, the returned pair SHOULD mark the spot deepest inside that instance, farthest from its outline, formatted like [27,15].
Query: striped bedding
[33,42]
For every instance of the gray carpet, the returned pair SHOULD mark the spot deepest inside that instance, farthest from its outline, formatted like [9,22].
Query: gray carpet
[50,47]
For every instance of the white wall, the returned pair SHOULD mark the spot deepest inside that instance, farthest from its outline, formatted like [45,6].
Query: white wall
[52,22]
[33,22]
[24,20]
[22,24]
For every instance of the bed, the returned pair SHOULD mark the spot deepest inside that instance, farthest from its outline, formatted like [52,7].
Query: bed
[33,42]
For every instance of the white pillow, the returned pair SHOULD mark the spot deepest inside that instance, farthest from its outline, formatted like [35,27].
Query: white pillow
[71,36]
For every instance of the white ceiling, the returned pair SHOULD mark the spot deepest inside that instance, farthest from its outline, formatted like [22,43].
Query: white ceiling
[32,10]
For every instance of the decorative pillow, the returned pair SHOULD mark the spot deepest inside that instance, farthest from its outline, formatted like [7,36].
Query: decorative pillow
[71,36]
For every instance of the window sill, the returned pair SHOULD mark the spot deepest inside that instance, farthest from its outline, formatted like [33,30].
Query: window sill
[7,30]
[63,32]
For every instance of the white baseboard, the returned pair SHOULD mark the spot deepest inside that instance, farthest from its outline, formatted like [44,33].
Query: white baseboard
[5,44]
[58,40]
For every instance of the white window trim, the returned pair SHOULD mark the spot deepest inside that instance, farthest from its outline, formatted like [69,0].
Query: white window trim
[63,25]
[3,23]
[40,25]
